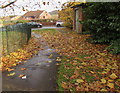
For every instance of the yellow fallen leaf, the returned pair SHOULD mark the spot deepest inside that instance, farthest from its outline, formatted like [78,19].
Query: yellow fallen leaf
[83,63]
[113,76]
[103,89]
[64,85]
[111,85]
[50,56]
[11,74]
[110,80]
[103,81]
[104,72]
[107,69]
[58,59]
[14,64]
[79,80]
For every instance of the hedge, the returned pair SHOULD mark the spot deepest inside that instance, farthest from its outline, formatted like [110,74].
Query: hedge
[103,22]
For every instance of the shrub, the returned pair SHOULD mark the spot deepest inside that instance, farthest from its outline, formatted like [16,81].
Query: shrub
[102,20]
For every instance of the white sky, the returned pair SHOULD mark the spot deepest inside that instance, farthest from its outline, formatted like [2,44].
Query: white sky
[27,5]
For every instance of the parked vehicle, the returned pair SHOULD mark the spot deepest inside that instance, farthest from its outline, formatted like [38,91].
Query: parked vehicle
[59,23]
[35,24]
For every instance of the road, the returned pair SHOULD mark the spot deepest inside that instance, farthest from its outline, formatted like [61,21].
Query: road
[47,27]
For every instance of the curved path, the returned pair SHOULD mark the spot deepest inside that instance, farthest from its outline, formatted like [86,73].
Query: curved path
[40,73]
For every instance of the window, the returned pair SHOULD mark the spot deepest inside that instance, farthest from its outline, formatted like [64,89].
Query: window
[43,16]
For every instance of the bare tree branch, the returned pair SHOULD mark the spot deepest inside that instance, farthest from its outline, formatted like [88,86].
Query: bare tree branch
[8,4]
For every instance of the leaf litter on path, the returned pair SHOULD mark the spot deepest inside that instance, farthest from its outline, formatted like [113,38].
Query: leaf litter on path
[21,55]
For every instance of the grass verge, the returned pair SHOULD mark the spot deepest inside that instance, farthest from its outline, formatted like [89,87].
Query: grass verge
[84,66]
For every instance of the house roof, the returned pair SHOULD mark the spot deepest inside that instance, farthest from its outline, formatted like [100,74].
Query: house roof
[33,13]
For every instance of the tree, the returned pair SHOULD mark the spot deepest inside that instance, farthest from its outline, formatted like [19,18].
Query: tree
[6,5]
[67,13]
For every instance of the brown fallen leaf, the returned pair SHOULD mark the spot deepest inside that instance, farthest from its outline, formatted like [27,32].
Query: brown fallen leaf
[10,69]
[21,75]
[23,69]
[117,83]
[92,72]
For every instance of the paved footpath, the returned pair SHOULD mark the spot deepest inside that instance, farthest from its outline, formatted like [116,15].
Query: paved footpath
[40,73]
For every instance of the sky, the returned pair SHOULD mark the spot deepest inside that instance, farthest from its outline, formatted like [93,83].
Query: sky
[30,5]
[33,5]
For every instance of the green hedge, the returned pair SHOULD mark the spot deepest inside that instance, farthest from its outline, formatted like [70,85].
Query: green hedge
[103,22]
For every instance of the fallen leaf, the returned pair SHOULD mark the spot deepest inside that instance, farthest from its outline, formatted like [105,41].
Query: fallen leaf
[64,85]
[92,72]
[14,64]
[79,80]
[57,64]
[23,69]
[104,72]
[49,61]
[21,75]
[110,80]
[111,85]
[117,83]
[11,74]
[83,63]
[50,55]
[58,59]
[103,81]
[10,69]
[103,89]
[113,76]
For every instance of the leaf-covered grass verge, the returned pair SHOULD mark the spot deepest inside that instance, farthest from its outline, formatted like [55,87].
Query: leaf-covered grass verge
[84,66]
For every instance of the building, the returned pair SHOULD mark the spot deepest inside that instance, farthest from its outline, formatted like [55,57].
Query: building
[35,15]
[78,16]
[54,14]
[15,18]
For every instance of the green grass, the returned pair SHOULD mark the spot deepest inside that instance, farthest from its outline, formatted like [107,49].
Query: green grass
[63,71]
[89,78]
[51,31]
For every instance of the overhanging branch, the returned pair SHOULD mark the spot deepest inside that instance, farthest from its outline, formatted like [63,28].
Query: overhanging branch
[4,6]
